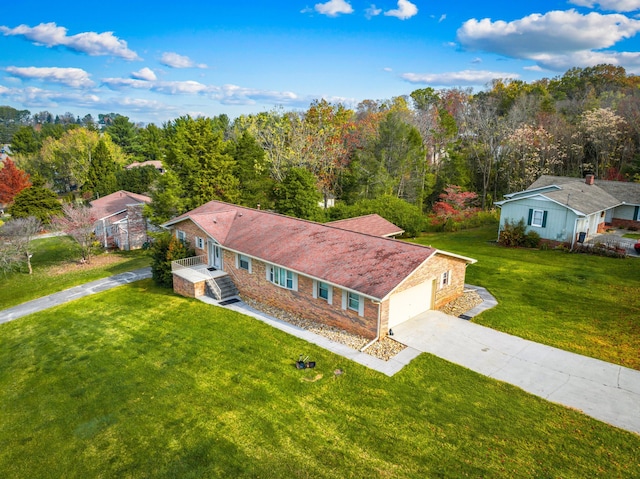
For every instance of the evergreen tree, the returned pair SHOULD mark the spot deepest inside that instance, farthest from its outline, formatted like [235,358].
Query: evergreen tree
[298,195]
[252,172]
[101,177]
[36,201]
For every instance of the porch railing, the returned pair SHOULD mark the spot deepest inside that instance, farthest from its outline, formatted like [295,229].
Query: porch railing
[191,262]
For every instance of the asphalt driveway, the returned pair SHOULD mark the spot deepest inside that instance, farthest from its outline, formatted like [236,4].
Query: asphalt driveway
[602,390]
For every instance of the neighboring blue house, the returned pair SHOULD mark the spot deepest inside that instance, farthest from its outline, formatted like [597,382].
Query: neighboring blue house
[569,210]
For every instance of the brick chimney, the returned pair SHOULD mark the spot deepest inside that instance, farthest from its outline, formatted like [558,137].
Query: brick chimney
[589,179]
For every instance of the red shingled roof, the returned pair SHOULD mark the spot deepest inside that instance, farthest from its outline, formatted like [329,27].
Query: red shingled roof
[370,265]
[373,224]
[116,202]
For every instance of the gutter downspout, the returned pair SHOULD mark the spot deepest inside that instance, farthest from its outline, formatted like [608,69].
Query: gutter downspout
[104,233]
[374,340]
[575,227]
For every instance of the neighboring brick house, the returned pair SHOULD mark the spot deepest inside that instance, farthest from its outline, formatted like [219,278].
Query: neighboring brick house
[120,221]
[358,282]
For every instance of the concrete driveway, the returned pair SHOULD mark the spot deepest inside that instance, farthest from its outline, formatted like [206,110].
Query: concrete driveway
[601,390]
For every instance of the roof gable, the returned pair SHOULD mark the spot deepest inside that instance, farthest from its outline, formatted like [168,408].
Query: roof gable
[369,264]
[372,224]
[116,202]
[572,193]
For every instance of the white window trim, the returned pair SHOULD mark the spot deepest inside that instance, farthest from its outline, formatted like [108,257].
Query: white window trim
[345,302]
[316,286]
[249,268]
[294,277]
[533,218]
[181,235]
[200,244]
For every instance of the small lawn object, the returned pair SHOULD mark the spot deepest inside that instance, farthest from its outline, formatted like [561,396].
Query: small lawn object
[305,363]
[637,247]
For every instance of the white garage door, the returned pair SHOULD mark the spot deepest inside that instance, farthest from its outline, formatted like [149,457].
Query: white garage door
[409,303]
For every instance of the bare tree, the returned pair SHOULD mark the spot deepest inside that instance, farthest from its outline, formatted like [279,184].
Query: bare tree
[16,235]
[79,223]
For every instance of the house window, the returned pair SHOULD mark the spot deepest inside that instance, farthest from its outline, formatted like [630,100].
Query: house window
[282,277]
[244,262]
[181,235]
[323,291]
[199,242]
[537,218]
[353,301]
[445,279]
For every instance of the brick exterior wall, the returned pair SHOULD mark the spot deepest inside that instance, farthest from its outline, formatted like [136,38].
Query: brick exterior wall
[255,285]
[187,288]
[626,224]
[431,271]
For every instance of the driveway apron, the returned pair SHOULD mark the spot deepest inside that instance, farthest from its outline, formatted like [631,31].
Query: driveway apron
[605,391]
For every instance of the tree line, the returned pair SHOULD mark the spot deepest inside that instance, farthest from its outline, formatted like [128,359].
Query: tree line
[415,152]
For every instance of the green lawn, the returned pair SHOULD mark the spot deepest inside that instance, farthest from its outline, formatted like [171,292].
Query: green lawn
[631,235]
[56,267]
[138,382]
[581,303]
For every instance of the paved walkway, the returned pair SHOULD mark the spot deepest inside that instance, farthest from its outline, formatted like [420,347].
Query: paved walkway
[602,390]
[70,294]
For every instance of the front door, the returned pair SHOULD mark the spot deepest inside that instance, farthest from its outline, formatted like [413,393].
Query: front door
[215,255]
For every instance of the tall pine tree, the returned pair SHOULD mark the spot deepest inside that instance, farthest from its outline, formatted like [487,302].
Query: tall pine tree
[101,177]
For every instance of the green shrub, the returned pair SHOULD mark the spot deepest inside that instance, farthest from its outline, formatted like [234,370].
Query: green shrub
[513,234]
[165,249]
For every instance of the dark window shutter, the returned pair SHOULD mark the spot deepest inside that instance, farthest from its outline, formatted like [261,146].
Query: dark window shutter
[544,219]
[530,217]
[635,213]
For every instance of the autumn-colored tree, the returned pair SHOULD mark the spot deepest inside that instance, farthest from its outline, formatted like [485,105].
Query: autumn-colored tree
[454,203]
[79,223]
[12,181]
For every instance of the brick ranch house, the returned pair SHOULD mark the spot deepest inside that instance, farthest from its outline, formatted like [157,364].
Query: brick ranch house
[361,283]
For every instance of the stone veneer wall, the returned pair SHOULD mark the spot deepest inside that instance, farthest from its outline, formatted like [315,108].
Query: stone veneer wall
[255,285]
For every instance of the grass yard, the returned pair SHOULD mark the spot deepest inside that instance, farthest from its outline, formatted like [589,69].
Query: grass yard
[581,303]
[56,267]
[138,382]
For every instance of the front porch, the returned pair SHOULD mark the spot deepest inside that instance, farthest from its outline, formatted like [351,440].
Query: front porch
[193,277]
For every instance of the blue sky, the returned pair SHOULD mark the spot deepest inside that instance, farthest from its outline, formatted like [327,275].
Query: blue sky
[155,61]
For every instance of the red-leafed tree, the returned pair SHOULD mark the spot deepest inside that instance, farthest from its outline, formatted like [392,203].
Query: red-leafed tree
[12,181]
[454,203]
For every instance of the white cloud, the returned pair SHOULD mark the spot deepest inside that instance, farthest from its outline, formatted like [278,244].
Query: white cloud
[175,60]
[372,11]
[566,36]
[333,8]
[73,77]
[167,87]
[237,95]
[442,18]
[39,98]
[144,74]
[405,10]
[612,5]
[464,77]
[91,43]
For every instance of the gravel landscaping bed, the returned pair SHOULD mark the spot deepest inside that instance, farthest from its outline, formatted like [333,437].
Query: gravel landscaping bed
[384,349]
